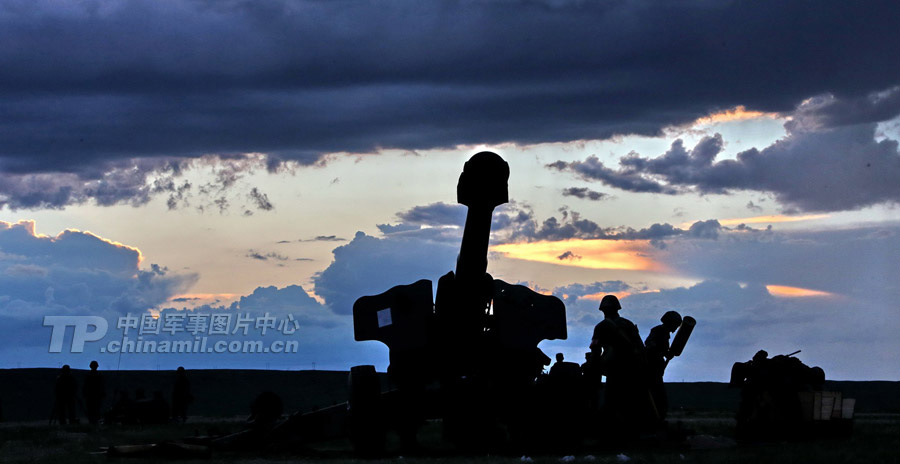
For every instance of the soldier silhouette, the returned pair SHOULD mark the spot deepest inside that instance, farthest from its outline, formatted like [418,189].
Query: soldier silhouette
[658,356]
[93,393]
[181,396]
[567,402]
[64,396]
[617,349]
[562,368]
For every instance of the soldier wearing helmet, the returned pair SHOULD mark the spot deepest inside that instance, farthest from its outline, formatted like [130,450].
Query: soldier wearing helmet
[619,353]
[658,357]
[93,392]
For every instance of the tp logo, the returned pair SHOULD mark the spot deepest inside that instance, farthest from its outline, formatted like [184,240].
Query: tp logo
[81,333]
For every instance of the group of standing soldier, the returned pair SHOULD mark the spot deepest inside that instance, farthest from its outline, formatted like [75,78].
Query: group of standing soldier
[634,397]
[124,409]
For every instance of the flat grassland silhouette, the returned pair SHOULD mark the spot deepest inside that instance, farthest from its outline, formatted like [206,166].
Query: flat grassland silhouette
[223,398]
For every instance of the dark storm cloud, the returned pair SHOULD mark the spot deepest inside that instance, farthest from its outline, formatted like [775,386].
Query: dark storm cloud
[584,193]
[825,169]
[826,111]
[127,181]
[84,84]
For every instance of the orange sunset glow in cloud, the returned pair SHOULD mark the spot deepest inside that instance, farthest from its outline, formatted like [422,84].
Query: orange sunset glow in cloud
[738,113]
[796,292]
[629,255]
[771,219]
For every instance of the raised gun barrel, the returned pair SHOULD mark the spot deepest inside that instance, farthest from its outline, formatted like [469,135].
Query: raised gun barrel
[464,297]
[482,187]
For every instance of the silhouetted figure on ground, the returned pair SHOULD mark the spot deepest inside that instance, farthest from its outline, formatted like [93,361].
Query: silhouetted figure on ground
[181,396]
[593,384]
[770,401]
[64,396]
[93,392]
[658,356]
[562,368]
[567,402]
[617,348]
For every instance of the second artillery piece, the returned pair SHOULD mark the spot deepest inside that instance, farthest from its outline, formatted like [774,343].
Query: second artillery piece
[469,355]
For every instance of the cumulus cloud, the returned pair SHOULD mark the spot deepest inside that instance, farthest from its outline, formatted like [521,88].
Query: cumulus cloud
[829,161]
[848,262]
[737,318]
[370,265]
[280,302]
[74,273]
[574,296]
[270,315]
[227,78]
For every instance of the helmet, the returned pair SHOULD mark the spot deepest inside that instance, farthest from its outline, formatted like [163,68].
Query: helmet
[94,364]
[671,317]
[609,302]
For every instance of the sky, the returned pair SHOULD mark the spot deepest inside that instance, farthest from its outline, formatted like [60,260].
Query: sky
[735,161]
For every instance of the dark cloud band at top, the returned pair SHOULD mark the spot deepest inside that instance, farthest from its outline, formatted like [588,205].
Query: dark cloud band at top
[89,83]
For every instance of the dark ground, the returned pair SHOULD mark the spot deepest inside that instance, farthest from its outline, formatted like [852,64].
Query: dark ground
[875,440]
[26,394]
[705,409]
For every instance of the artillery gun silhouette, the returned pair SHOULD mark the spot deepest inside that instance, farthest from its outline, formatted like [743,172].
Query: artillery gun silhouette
[468,356]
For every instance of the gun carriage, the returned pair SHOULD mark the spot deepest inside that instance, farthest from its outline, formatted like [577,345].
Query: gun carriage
[473,346]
